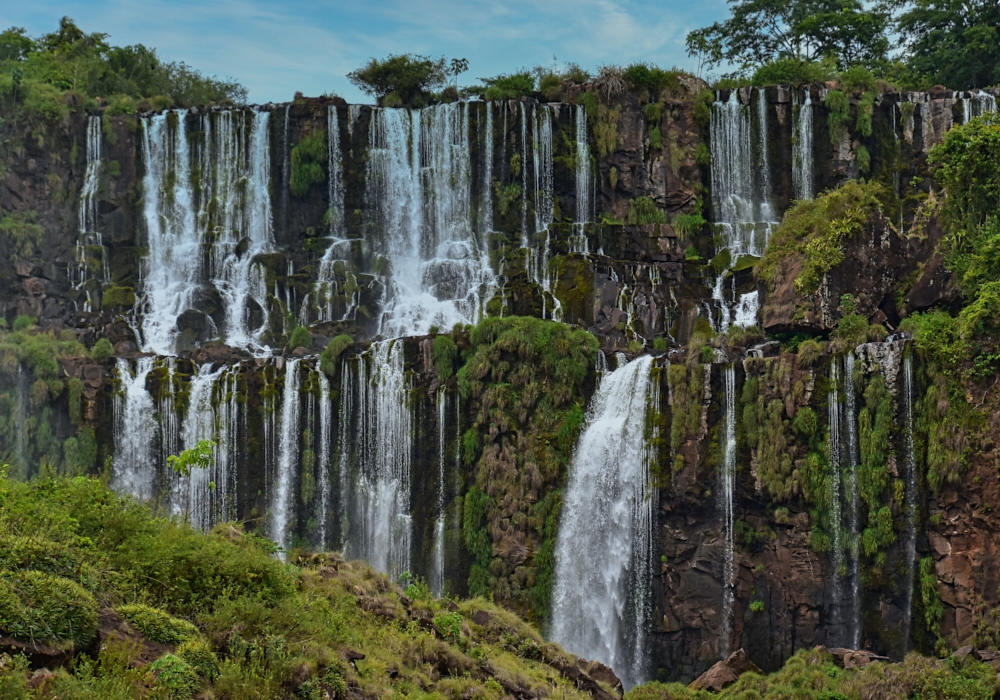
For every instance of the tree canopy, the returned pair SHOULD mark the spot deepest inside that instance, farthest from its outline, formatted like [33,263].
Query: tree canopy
[45,77]
[405,79]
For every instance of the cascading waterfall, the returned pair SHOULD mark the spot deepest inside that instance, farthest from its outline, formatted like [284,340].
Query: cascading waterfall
[910,549]
[334,259]
[977,105]
[280,509]
[727,479]
[852,498]
[741,188]
[335,178]
[578,241]
[437,573]
[378,477]
[419,198]
[89,237]
[323,458]
[802,150]
[834,417]
[200,424]
[136,430]
[486,198]
[603,569]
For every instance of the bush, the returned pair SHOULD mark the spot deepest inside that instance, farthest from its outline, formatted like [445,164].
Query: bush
[839,109]
[644,210]
[23,233]
[444,352]
[794,71]
[174,677]
[858,79]
[23,323]
[809,352]
[644,76]
[307,160]
[410,77]
[509,86]
[332,352]
[46,609]
[115,297]
[200,656]
[300,338]
[102,350]
[158,625]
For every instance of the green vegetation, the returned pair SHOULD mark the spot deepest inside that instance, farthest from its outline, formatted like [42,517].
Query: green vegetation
[653,79]
[332,352]
[509,86]
[102,351]
[116,297]
[405,79]
[300,338]
[43,79]
[200,456]
[811,674]
[308,159]
[839,110]
[525,378]
[815,232]
[792,70]
[22,232]
[246,626]
[444,352]
[643,210]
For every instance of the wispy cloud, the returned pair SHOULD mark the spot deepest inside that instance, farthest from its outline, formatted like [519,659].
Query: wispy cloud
[276,48]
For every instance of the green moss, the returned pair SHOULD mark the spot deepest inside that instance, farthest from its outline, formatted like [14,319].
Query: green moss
[816,231]
[838,112]
[644,210]
[656,140]
[158,625]
[866,106]
[102,351]
[606,129]
[444,351]
[46,609]
[22,231]
[332,352]
[307,160]
[115,297]
[300,338]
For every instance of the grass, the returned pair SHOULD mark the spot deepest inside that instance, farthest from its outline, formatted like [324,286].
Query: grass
[253,627]
[307,160]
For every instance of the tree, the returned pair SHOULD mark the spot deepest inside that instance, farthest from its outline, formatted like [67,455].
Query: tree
[952,42]
[762,31]
[198,457]
[405,79]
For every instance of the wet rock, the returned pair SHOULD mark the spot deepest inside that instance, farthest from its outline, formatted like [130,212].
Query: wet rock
[725,673]
[850,659]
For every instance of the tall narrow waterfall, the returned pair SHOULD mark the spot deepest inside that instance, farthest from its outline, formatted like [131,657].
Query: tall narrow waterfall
[334,260]
[207,210]
[335,174]
[135,464]
[852,499]
[419,197]
[377,479]
[977,104]
[437,573]
[323,460]
[281,509]
[89,237]
[537,241]
[741,189]
[200,424]
[802,150]
[486,185]
[727,481]
[603,573]
[834,418]
[584,208]
[910,544]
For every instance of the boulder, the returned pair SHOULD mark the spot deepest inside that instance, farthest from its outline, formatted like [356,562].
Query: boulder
[850,659]
[725,673]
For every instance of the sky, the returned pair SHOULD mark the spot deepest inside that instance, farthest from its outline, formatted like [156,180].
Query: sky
[278,48]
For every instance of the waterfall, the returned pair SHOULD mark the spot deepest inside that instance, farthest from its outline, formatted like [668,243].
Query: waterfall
[378,489]
[486,198]
[603,566]
[802,151]
[741,188]
[852,498]
[200,424]
[727,478]
[746,309]
[977,104]
[89,236]
[910,550]
[833,422]
[216,198]
[335,258]
[538,244]
[437,573]
[21,416]
[282,508]
[323,458]
[419,200]
[578,242]
[136,430]
[171,268]
[335,177]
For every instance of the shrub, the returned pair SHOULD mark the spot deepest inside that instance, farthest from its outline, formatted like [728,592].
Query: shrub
[444,352]
[118,297]
[46,609]
[300,338]
[23,323]
[332,352]
[839,109]
[158,625]
[809,352]
[643,210]
[410,77]
[307,160]
[509,86]
[23,232]
[644,76]
[793,71]
[200,656]
[857,78]
[655,139]
[174,677]
[102,350]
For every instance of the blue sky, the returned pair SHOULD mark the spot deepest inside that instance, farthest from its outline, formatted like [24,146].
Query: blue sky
[276,48]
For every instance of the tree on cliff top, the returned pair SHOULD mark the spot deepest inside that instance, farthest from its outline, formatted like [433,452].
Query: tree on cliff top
[762,31]
[405,79]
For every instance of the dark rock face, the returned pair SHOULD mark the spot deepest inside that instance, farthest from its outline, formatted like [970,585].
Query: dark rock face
[636,282]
